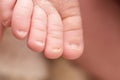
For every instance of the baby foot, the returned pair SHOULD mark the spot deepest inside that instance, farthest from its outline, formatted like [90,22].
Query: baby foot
[46,30]
[70,19]
[73,33]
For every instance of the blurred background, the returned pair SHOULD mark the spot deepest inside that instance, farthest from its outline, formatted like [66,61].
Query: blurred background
[17,62]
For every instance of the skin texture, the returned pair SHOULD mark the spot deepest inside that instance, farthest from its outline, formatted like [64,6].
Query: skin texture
[102,41]
[49,27]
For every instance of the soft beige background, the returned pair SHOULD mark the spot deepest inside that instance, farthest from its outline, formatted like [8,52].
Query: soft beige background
[17,62]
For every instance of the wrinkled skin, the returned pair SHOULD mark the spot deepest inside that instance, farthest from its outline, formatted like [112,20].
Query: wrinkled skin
[102,38]
[58,24]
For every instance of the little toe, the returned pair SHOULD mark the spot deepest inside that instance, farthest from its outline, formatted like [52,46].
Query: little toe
[6,8]
[21,18]
[38,31]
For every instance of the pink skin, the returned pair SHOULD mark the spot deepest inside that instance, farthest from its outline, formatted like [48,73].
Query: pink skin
[38,31]
[5,14]
[73,40]
[21,18]
[52,28]
[54,43]
[6,8]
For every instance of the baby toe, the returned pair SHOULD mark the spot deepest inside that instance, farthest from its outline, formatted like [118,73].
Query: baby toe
[73,38]
[38,31]
[21,18]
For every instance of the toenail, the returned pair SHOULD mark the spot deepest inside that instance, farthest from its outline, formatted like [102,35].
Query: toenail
[74,45]
[40,43]
[57,50]
[22,33]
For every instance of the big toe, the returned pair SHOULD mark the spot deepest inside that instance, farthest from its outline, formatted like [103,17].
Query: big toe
[73,37]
